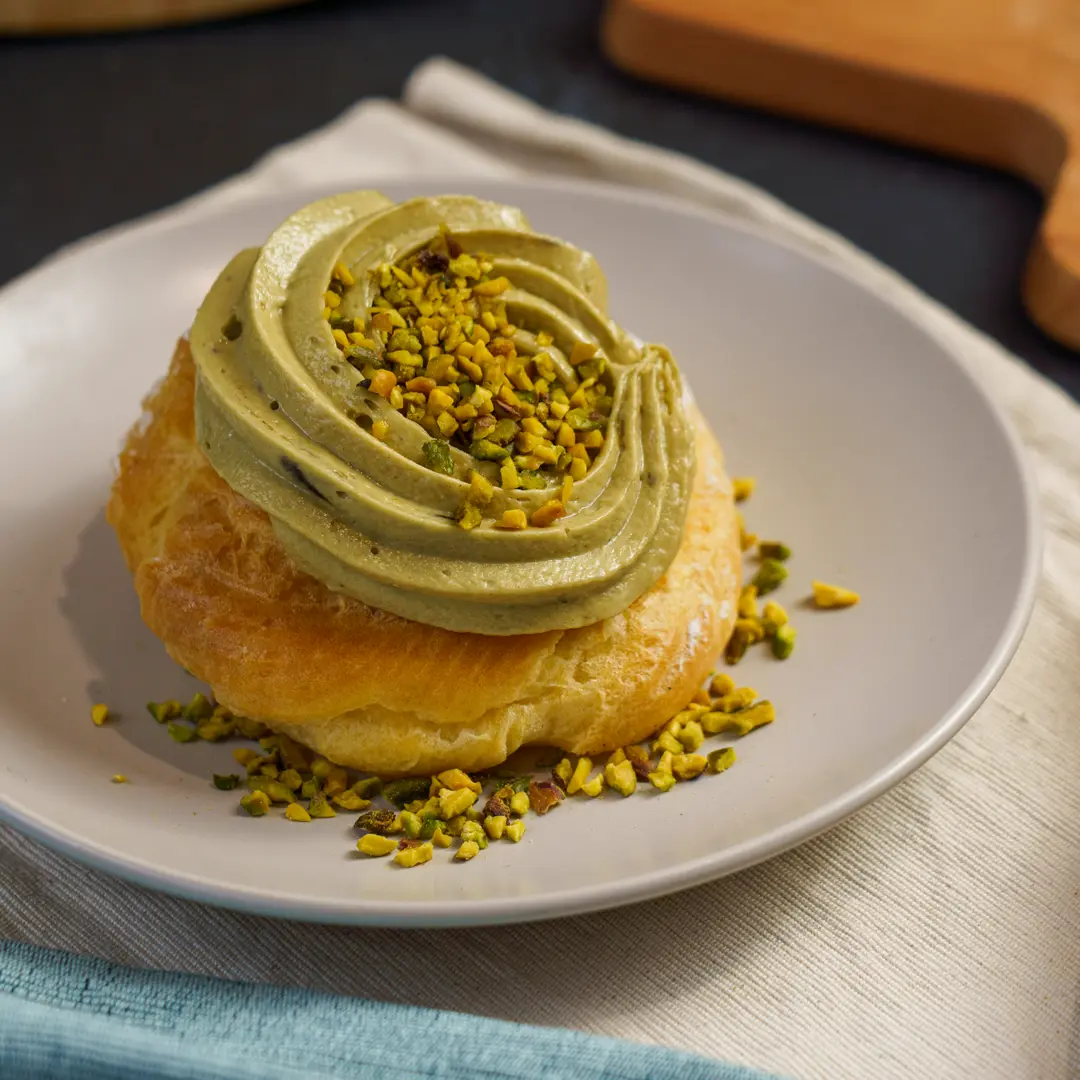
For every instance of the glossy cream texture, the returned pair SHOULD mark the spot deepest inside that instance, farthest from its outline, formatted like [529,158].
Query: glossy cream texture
[285,420]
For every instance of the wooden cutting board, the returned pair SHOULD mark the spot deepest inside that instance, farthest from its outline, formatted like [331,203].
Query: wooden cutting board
[995,81]
[92,16]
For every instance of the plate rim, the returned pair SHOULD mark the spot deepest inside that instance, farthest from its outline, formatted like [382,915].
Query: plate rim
[648,885]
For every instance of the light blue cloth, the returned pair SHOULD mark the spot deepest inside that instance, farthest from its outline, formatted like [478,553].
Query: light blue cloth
[65,1016]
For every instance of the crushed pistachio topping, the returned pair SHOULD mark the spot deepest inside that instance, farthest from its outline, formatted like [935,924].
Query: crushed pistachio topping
[438,346]
[454,810]
[756,623]
[119,778]
[99,714]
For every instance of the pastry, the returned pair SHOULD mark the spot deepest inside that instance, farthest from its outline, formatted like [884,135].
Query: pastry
[409,496]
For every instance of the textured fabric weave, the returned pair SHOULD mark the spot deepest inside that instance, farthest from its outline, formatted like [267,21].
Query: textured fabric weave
[66,1016]
[936,933]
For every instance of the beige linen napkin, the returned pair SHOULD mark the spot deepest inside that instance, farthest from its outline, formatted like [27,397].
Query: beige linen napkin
[936,933]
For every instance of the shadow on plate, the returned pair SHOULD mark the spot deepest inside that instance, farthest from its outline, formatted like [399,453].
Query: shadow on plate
[132,667]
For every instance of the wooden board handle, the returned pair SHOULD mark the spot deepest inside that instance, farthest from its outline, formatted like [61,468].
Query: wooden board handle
[1052,280]
[961,77]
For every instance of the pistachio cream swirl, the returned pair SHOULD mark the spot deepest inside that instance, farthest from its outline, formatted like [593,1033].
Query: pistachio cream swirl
[291,419]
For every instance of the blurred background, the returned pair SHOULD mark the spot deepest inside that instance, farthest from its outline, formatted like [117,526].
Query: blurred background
[96,128]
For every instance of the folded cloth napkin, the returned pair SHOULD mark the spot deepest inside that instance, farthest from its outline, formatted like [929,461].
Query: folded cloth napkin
[936,933]
[70,1016]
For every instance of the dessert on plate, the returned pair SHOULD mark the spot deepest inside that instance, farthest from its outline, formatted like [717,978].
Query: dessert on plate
[409,495]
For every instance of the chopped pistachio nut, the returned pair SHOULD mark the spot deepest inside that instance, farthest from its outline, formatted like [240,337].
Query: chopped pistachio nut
[770,575]
[743,487]
[748,608]
[181,733]
[438,457]
[745,721]
[773,616]
[375,845]
[639,760]
[411,823]
[833,596]
[369,787]
[719,721]
[414,853]
[721,684]
[250,729]
[513,519]
[99,714]
[275,790]
[456,802]
[692,735]
[746,539]
[318,807]
[226,783]
[213,730]
[547,514]
[256,803]
[198,708]
[662,781]
[468,850]
[688,766]
[621,777]
[741,639]
[519,803]
[594,786]
[618,757]
[163,711]
[382,822]
[497,806]
[774,549]
[119,778]
[721,760]
[742,698]
[441,839]
[456,780]
[474,831]
[563,771]
[495,826]
[514,831]
[349,800]
[667,741]
[399,792]
[544,795]
[291,779]
[783,642]
[336,781]
[295,812]
[579,776]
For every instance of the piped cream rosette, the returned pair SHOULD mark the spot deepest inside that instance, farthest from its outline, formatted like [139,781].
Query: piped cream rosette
[286,420]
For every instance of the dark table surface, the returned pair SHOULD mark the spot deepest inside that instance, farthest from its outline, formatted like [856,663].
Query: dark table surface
[97,130]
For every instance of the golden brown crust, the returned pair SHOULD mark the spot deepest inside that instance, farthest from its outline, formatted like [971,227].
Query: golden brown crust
[375,691]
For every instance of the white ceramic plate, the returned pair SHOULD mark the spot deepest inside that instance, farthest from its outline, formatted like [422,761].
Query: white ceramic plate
[878,459]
